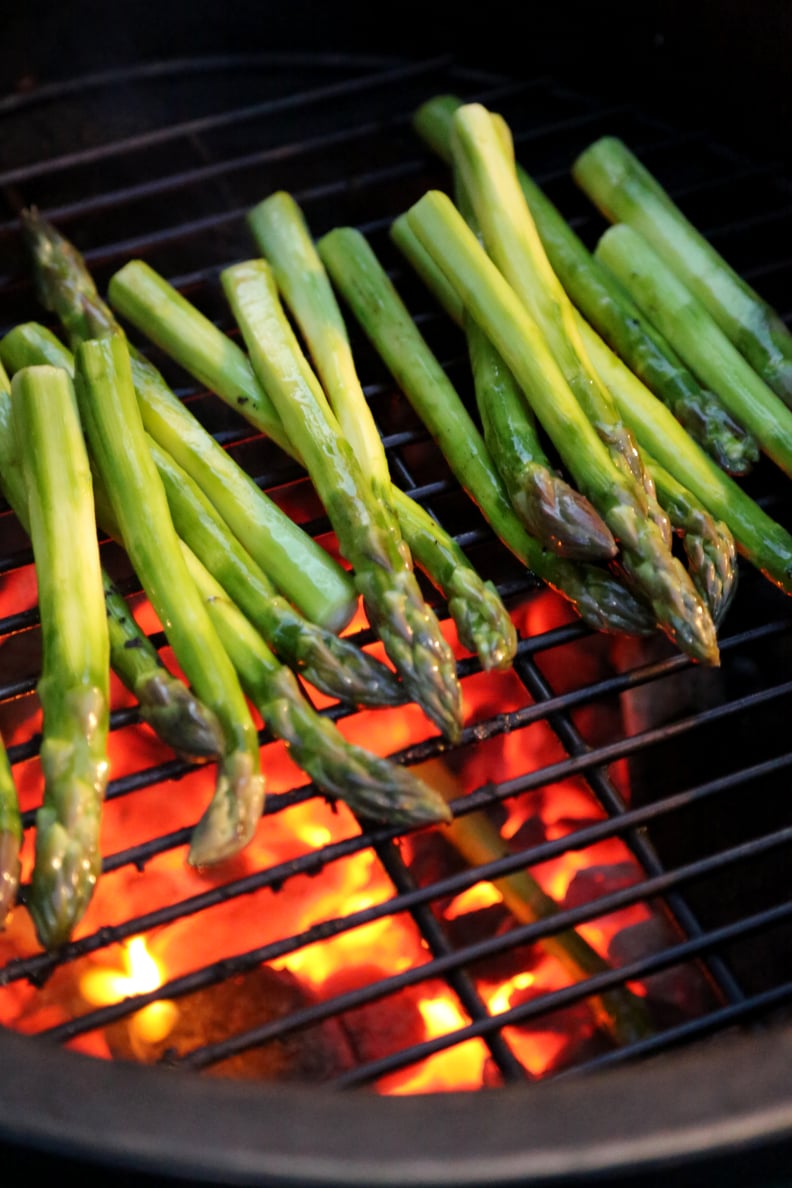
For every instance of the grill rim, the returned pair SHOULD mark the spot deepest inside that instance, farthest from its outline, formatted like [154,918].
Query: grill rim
[732,1102]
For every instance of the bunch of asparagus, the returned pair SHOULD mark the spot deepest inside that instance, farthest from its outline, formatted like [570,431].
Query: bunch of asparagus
[698,411]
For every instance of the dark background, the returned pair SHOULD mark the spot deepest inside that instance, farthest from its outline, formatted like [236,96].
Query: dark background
[722,64]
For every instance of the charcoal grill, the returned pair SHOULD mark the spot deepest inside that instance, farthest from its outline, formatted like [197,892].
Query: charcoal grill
[162,161]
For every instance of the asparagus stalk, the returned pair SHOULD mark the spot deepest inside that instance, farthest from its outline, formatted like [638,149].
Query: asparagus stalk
[708,542]
[646,558]
[120,454]
[164,701]
[280,229]
[609,309]
[550,508]
[760,539]
[601,600]
[304,572]
[372,786]
[73,688]
[699,340]
[486,169]
[367,535]
[625,191]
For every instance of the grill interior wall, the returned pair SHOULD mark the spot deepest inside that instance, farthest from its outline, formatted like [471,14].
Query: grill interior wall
[167,173]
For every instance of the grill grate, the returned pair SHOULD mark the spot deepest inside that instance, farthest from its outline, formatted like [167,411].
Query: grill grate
[166,171]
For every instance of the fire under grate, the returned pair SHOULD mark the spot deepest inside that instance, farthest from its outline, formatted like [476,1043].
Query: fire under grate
[675,829]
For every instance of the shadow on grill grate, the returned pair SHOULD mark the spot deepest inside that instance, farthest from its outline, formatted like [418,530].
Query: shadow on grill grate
[647,798]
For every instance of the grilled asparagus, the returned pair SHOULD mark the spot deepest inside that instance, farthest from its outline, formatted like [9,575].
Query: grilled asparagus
[625,191]
[367,535]
[119,451]
[74,684]
[609,309]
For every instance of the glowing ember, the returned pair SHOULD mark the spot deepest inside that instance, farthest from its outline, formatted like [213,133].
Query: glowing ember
[322,925]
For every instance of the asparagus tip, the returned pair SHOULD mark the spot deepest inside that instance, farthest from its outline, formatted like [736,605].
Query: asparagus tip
[179,718]
[64,878]
[231,818]
[562,518]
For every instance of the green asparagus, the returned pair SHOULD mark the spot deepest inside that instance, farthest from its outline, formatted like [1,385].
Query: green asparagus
[120,454]
[699,340]
[762,540]
[608,308]
[625,191]
[550,508]
[281,231]
[598,597]
[484,165]
[331,663]
[74,684]
[164,701]
[367,535]
[304,572]
[372,786]
[648,561]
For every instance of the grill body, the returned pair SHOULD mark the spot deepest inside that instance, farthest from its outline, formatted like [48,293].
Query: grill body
[167,171]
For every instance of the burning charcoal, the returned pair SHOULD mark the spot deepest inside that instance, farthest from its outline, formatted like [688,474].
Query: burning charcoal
[249,1000]
[678,993]
[386,1025]
[595,881]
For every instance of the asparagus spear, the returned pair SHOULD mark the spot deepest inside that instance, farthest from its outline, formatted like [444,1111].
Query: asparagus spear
[609,309]
[486,169]
[597,596]
[493,303]
[282,233]
[164,701]
[763,541]
[708,542]
[625,191]
[367,535]
[305,573]
[120,454]
[73,688]
[698,338]
[372,786]
[550,508]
